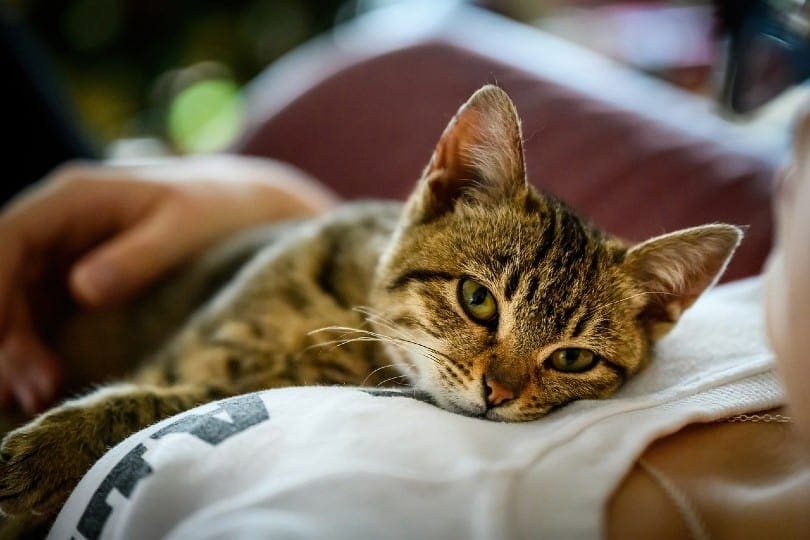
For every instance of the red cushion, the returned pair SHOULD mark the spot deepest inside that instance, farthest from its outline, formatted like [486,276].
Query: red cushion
[368,130]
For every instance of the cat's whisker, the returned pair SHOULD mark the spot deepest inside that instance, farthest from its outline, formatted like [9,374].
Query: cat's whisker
[381,320]
[625,299]
[367,310]
[336,329]
[404,344]
[349,331]
[379,369]
[402,334]
[376,334]
[341,342]
[405,337]
[389,380]
[378,317]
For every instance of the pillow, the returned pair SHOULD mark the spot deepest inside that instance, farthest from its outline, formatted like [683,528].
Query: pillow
[335,462]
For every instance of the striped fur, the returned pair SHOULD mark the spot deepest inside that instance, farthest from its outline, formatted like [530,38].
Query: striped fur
[369,295]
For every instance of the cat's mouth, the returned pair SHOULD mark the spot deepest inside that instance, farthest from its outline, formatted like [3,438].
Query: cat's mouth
[502,413]
[455,401]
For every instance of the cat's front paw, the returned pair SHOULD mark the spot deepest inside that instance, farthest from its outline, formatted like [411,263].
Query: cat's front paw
[41,462]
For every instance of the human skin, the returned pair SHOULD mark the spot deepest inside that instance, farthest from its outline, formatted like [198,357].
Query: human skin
[788,280]
[97,234]
[744,480]
[741,479]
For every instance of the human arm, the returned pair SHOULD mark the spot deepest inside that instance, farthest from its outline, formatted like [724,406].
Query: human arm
[97,234]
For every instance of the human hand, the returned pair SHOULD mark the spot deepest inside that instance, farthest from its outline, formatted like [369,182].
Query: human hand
[96,235]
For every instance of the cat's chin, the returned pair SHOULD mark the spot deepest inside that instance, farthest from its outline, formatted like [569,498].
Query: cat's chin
[495,414]
[498,415]
[455,405]
[448,403]
[460,404]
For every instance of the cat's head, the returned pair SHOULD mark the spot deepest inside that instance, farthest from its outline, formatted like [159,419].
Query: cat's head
[502,302]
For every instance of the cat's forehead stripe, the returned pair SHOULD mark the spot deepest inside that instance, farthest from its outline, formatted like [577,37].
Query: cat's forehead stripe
[546,240]
[512,282]
[585,317]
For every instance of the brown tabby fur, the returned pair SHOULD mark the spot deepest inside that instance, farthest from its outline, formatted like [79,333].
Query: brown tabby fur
[367,295]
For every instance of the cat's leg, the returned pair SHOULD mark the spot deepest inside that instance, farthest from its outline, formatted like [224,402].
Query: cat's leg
[41,462]
[25,526]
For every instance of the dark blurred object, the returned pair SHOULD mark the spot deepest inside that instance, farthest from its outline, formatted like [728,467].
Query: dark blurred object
[768,49]
[45,133]
[126,63]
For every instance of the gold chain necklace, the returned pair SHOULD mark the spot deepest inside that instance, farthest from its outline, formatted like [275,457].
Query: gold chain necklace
[759,418]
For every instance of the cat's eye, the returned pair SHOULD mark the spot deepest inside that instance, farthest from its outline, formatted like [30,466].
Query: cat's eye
[477,301]
[573,360]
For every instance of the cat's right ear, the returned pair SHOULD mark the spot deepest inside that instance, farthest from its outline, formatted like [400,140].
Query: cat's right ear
[479,157]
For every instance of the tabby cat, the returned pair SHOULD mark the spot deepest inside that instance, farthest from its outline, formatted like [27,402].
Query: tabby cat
[495,300]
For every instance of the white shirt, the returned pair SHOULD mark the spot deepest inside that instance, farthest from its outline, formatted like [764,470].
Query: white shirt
[335,463]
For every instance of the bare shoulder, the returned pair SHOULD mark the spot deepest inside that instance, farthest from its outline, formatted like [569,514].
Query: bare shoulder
[716,480]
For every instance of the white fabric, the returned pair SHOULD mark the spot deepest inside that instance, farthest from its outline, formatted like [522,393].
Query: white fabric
[337,463]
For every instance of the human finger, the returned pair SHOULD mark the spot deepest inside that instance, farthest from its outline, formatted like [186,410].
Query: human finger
[124,265]
[31,370]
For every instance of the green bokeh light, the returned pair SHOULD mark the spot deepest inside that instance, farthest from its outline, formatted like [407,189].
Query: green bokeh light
[206,116]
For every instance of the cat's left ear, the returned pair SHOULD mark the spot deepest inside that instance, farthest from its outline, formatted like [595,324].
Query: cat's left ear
[674,269]
[479,156]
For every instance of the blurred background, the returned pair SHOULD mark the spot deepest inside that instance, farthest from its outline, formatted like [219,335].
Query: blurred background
[169,74]
[166,70]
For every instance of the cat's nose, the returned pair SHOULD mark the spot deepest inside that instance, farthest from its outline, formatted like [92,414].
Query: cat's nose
[496,393]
